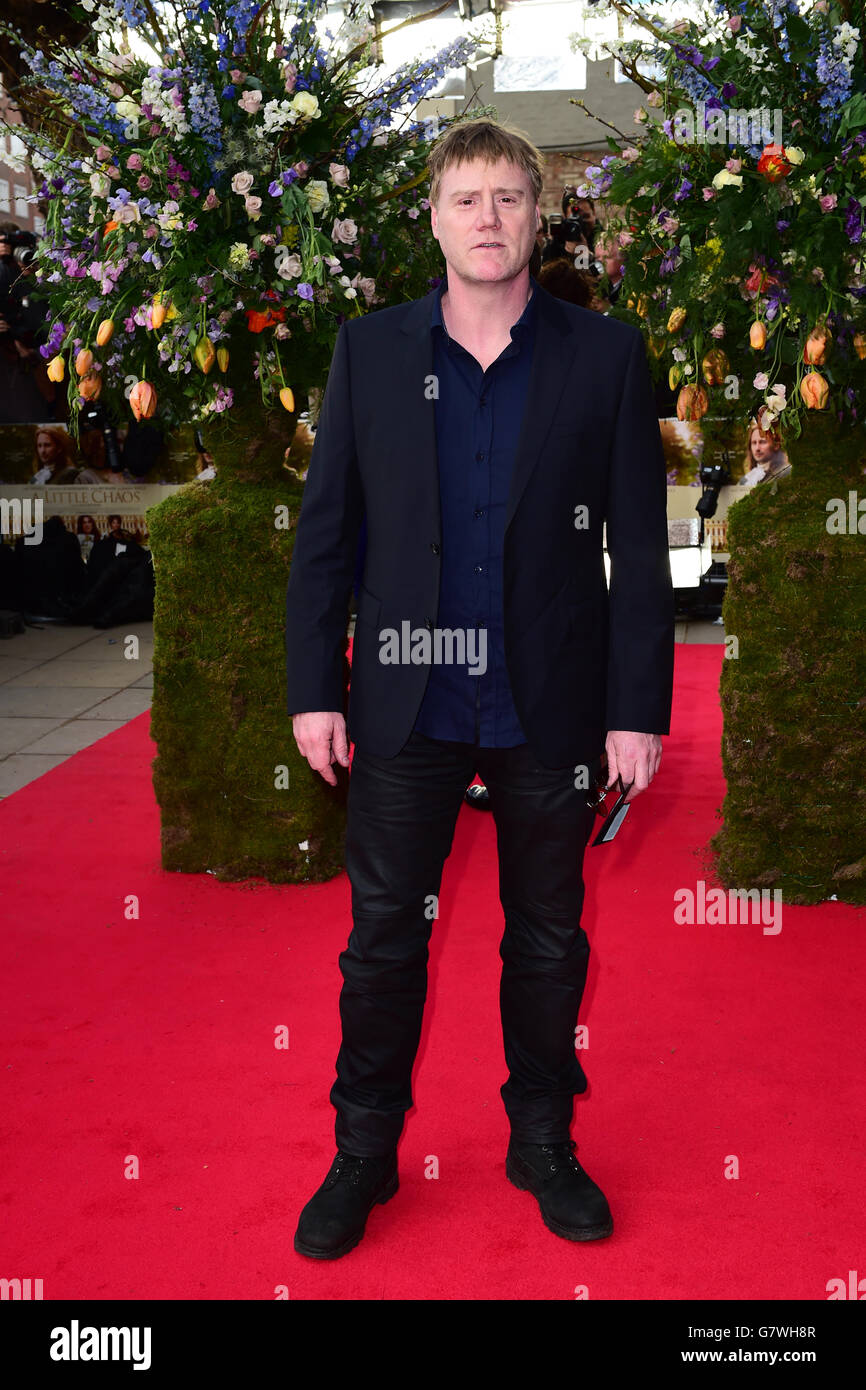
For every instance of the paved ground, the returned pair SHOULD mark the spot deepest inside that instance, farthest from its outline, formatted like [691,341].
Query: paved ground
[63,687]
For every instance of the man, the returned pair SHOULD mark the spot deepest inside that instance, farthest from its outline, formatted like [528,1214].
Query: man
[487,432]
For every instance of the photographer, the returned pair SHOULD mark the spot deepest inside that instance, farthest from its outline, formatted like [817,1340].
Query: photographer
[26,394]
[572,237]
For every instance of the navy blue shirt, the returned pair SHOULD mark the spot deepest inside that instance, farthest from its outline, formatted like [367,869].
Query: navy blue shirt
[478,415]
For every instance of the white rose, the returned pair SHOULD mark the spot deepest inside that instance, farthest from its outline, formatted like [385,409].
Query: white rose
[317,194]
[306,105]
[288,265]
[100,185]
[128,212]
[242,182]
[339,174]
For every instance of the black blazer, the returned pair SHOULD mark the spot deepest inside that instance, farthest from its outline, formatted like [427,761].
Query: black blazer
[580,660]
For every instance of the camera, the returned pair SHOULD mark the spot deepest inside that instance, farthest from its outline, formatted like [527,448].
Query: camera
[12,266]
[714,476]
[95,417]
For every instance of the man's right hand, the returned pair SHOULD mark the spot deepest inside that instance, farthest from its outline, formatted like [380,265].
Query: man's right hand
[322,740]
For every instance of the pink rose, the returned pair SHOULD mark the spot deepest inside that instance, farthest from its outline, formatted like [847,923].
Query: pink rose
[103,153]
[211,201]
[827,202]
[253,208]
[135,162]
[735,165]
[290,73]
[143,182]
[735,22]
[345,231]
[339,174]
[251,101]
[113,172]
[708,194]
[236,75]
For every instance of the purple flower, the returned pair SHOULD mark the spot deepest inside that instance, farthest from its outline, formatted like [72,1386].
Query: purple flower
[683,191]
[711,63]
[305,291]
[853,220]
[729,90]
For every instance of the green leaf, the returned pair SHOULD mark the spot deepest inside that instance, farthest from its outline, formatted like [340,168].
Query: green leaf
[852,113]
[686,246]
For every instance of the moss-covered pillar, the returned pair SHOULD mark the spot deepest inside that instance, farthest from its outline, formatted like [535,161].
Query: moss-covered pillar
[794,688]
[235,796]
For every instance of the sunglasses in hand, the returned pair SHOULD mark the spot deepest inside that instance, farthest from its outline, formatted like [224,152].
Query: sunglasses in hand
[613,817]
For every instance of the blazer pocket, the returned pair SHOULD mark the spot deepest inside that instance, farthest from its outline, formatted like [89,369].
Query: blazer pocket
[369,607]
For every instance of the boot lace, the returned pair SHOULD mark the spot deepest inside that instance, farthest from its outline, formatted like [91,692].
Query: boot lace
[561,1156]
[347,1168]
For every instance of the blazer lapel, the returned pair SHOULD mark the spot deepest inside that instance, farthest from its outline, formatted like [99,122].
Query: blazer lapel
[551,362]
[547,376]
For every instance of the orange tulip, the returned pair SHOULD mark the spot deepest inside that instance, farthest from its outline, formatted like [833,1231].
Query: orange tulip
[818,344]
[90,386]
[715,367]
[676,320]
[860,345]
[84,361]
[814,390]
[109,227]
[56,369]
[758,335]
[105,332]
[257,321]
[675,376]
[205,354]
[692,403]
[287,398]
[142,400]
[774,164]
[159,309]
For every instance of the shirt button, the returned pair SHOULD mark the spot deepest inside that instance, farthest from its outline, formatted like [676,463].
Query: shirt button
[479,569]
[434,547]
[479,456]
[479,511]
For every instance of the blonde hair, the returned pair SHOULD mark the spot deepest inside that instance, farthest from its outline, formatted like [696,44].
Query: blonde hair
[64,457]
[486,140]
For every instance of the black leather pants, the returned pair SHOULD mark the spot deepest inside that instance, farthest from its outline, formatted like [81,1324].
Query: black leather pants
[401,817]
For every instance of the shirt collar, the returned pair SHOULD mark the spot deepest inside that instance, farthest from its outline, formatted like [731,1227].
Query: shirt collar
[522,326]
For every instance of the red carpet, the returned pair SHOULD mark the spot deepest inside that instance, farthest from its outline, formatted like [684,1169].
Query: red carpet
[155,1038]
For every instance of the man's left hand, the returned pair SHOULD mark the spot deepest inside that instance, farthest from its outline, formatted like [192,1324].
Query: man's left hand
[633,757]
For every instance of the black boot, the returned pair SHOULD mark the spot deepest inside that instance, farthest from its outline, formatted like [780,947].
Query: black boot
[572,1205]
[333,1221]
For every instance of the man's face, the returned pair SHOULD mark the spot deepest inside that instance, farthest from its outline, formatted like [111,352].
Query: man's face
[45,448]
[762,447]
[586,212]
[485,220]
[5,247]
